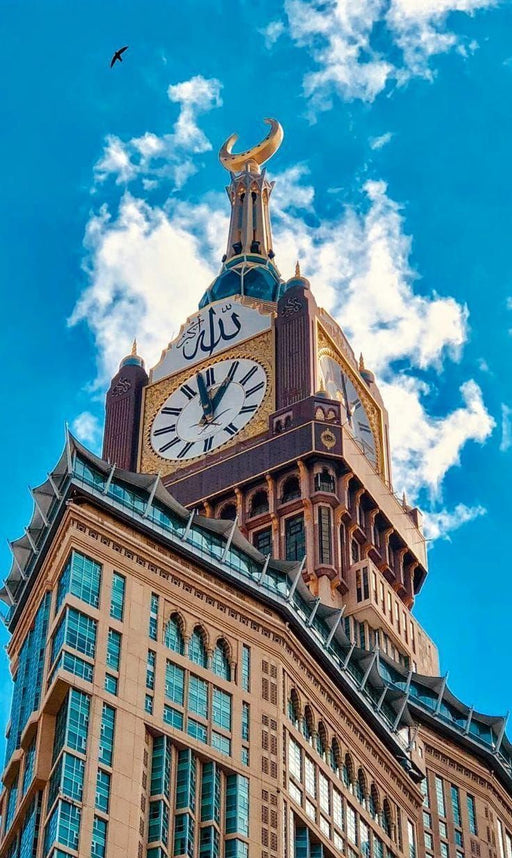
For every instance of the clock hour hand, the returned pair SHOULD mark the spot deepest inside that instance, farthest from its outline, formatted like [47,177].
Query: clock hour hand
[219,393]
[206,403]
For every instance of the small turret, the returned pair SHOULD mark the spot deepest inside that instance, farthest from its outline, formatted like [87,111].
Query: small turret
[122,412]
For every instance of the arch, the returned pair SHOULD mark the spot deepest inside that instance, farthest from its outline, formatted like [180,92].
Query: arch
[228,511]
[361,786]
[322,740]
[374,805]
[294,708]
[325,481]
[387,817]
[319,413]
[173,634]
[335,756]
[197,647]
[290,489]
[348,770]
[308,724]
[259,502]
[220,660]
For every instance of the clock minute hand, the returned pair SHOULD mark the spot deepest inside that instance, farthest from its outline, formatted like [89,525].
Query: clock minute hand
[219,393]
[206,403]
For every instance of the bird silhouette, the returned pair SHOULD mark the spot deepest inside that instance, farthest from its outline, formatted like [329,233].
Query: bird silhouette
[117,55]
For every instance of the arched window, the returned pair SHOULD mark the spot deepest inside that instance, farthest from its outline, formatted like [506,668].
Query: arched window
[361,787]
[324,481]
[228,511]
[259,503]
[335,756]
[321,740]
[294,708]
[291,489]
[387,818]
[348,771]
[173,637]
[308,724]
[196,648]
[220,661]
[374,802]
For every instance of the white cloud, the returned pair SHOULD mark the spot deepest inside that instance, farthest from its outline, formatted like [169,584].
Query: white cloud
[339,35]
[171,155]
[272,32]
[380,142]
[437,525]
[87,429]
[506,428]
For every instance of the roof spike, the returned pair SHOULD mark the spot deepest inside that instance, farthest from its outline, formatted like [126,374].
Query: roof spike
[264,569]
[501,734]
[296,580]
[16,561]
[109,479]
[469,719]
[440,695]
[69,459]
[297,269]
[312,615]
[151,495]
[361,362]
[229,540]
[368,669]
[404,702]
[335,627]
[40,511]
[349,655]
[189,525]
[54,486]
[32,543]
[134,347]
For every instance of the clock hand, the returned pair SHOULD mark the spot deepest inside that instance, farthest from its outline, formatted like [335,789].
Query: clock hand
[219,393]
[206,402]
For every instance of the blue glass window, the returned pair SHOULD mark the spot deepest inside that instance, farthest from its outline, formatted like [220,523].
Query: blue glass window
[245,721]
[237,805]
[184,835]
[471,814]
[161,766]
[113,649]
[245,756]
[158,822]
[153,617]
[82,578]
[209,842]
[236,849]
[295,538]
[67,779]
[221,743]
[220,661]
[210,793]
[111,684]
[173,717]
[63,826]
[246,668]
[28,771]
[148,704]
[186,781]
[72,723]
[102,791]
[117,596]
[196,648]
[99,837]
[73,664]
[77,631]
[174,683]
[197,731]
[173,637]
[150,670]
[198,696]
[11,805]
[106,743]
[221,709]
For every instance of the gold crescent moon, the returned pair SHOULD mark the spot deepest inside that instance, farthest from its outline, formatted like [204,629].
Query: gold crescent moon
[257,155]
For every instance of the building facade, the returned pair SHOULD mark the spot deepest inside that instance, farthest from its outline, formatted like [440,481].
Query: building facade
[212,641]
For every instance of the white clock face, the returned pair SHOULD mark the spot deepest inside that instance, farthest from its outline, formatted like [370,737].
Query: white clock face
[209,409]
[339,386]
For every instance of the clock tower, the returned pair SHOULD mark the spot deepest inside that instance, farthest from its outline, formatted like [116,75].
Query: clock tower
[259,412]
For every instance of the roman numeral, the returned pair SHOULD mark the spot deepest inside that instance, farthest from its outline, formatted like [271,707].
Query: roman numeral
[165,429]
[248,375]
[363,427]
[256,387]
[210,376]
[184,450]
[188,392]
[208,443]
[174,412]
[231,429]
[169,445]
[248,408]
[232,372]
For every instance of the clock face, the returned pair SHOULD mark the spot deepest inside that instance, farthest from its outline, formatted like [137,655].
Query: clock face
[209,409]
[339,386]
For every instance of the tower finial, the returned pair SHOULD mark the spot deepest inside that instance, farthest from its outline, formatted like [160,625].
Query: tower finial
[252,158]
[361,362]
[297,269]
[134,347]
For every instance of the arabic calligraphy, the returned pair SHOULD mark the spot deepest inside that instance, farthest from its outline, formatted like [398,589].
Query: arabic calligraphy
[207,330]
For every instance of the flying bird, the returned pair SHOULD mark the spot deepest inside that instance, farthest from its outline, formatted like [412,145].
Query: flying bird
[117,55]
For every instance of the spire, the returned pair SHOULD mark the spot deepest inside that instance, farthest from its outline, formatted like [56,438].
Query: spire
[297,269]
[361,362]
[134,348]
[249,195]
[133,359]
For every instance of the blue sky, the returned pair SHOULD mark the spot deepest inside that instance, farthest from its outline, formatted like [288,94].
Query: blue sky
[393,186]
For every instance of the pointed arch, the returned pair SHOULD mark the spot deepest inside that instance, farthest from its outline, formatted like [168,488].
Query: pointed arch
[387,817]
[220,661]
[259,503]
[228,511]
[197,647]
[374,805]
[308,724]
[322,740]
[348,770]
[361,786]
[294,708]
[173,635]
[290,489]
[335,756]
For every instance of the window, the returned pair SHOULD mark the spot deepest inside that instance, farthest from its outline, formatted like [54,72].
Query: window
[324,535]
[229,511]
[106,742]
[310,776]
[220,661]
[198,696]
[99,837]
[102,791]
[72,723]
[221,709]
[259,503]
[324,481]
[173,717]
[111,683]
[362,587]
[237,805]
[245,722]
[246,668]
[221,743]
[295,538]
[471,814]
[351,825]
[77,631]
[173,637]
[150,669]
[161,766]
[117,596]
[28,771]
[186,781]
[174,683]
[153,617]
[262,540]
[113,649]
[210,793]
[148,704]
[291,489]
[197,730]
[441,809]
[82,578]
[354,550]
[63,826]
[455,805]
[411,839]
[196,648]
